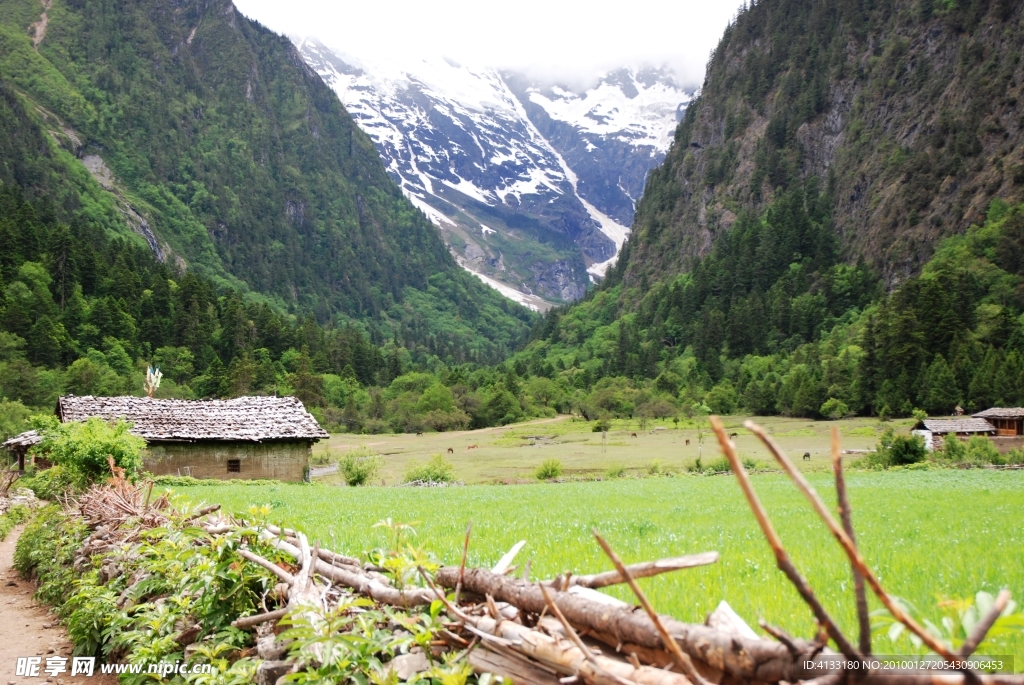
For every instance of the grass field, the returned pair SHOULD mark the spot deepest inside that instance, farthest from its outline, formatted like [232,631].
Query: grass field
[931,535]
[510,454]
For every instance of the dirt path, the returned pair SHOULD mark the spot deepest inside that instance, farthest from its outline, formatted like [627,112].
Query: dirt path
[39,27]
[27,629]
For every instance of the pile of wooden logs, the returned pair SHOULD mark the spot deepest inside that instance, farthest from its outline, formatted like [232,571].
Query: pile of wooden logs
[563,631]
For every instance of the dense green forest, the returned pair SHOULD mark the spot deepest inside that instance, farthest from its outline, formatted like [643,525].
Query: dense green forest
[218,147]
[747,330]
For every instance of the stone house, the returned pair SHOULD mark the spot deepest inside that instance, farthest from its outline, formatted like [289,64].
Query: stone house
[247,437]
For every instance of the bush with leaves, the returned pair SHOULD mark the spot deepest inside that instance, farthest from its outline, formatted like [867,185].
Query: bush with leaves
[81,448]
[977,450]
[549,470]
[897,450]
[436,470]
[13,517]
[360,466]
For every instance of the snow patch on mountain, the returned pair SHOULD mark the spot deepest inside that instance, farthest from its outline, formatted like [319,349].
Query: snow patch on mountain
[533,185]
[627,106]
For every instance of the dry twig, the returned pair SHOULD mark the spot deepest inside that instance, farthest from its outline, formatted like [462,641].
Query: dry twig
[682,658]
[781,555]
[847,544]
[846,515]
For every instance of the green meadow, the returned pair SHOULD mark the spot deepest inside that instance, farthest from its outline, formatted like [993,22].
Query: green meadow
[932,536]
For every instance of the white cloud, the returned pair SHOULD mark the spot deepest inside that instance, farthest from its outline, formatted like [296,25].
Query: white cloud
[560,38]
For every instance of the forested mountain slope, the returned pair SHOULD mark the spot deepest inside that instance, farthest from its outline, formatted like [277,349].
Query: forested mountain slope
[907,111]
[209,137]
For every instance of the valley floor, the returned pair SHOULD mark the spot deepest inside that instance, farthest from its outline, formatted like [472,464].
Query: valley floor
[512,453]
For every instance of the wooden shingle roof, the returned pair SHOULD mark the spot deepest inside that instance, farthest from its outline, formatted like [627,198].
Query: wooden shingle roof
[958,425]
[1001,413]
[244,418]
[23,441]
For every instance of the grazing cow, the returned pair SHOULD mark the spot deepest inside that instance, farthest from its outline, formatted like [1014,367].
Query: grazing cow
[632,435]
[451,451]
[807,455]
[687,442]
[473,447]
[419,434]
[733,435]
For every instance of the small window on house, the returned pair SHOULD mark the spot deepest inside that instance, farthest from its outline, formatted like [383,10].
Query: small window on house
[234,465]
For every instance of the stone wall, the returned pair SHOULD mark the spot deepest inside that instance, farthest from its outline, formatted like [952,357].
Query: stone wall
[283,460]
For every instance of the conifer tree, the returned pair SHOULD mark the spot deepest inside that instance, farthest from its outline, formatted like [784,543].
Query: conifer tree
[941,394]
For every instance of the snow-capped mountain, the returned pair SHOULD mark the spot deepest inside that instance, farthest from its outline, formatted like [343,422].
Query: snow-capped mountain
[532,186]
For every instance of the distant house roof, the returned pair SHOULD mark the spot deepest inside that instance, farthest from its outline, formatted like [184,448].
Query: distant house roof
[23,441]
[1001,413]
[961,425]
[244,418]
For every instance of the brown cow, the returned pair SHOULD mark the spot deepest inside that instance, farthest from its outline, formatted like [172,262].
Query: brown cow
[807,455]
[419,433]
[733,435]
[451,451]
[632,435]
[473,447]
[687,442]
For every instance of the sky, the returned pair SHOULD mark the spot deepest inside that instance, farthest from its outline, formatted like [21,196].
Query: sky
[559,39]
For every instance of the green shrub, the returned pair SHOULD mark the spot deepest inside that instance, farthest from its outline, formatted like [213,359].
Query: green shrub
[601,426]
[981,450]
[436,470]
[50,483]
[360,466]
[656,468]
[549,470]
[977,450]
[13,517]
[834,409]
[82,448]
[615,471]
[898,450]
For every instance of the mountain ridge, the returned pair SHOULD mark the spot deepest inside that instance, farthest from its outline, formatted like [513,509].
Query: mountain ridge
[906,111]
[461,142]
[244,165]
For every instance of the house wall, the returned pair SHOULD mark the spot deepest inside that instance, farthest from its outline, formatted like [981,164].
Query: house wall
[283,460]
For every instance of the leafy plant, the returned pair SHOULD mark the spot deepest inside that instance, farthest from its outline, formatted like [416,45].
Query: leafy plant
[14,516]
[897,450]
[360,466]
[82,448]
[615,471]
[436,470]
[548,470]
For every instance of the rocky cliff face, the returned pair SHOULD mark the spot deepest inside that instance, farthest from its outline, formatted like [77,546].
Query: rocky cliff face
[907,112]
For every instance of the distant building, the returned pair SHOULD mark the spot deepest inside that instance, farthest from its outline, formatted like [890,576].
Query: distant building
[935,430]
[247,437]
[1008,421]
[19,445]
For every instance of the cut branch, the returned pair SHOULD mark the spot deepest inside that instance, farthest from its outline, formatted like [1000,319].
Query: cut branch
[250,621]
[744,658]
[267,564]
[682,660]
[644,570]
[781,556]
[846,515]
[847,544]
